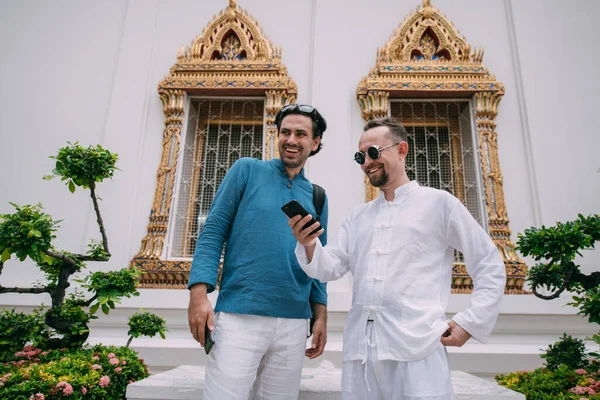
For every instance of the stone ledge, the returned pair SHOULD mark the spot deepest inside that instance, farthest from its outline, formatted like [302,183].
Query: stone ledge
[324,383]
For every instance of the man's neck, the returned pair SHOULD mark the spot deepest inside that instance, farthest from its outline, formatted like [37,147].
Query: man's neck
[293,172]
[390,189]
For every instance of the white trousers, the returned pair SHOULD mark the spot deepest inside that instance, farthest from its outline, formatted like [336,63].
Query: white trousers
[372,379]
[255,357]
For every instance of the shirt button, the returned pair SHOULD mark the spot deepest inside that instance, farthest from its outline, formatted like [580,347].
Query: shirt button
[290,186]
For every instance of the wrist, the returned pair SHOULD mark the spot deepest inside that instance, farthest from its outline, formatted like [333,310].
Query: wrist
[199,290]
[319,311]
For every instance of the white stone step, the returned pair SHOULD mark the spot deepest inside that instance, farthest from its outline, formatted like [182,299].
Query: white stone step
[323,383]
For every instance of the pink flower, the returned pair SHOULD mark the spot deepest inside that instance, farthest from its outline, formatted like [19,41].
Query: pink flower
[96,367]
[118,370]
[83,390]
[124,362]
[66,387]
[580,371]
[104,381]
[28,348]
[582,390]
[130,381]
[20,354]
[111,355]
[63,359]
[95,358]
[37,396]
[114,361]
[44,353]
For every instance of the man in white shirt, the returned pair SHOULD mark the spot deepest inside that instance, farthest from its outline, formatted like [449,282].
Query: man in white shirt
[400,248]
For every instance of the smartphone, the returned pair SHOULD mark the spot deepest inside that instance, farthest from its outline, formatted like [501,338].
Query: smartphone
[294,208]
[208,340]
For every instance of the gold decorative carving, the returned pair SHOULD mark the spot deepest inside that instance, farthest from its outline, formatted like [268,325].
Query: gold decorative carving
[232,57]
[427,57]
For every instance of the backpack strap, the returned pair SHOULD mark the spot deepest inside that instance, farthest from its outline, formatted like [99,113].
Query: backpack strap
[318,199]
[318,202]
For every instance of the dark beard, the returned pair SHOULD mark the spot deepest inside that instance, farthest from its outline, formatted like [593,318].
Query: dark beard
[288,163]
[381,180]
[293,165]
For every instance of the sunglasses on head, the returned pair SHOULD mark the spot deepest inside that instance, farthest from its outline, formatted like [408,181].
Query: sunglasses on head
[374,152]
[303,109]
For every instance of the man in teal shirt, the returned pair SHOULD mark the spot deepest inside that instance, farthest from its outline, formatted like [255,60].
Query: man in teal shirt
[265,300]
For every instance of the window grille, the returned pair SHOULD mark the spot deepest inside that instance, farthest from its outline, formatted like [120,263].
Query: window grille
[219,132]
[440,148]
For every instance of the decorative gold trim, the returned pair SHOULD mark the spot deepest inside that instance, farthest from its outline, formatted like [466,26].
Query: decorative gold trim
[232,57]
[427,57]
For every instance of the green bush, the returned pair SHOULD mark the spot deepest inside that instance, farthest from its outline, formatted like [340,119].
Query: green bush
[563,383]
[59,365]
[570,373]
[26,233]
[98,373]
[146,324]
[558,246]
[567,351]
[16,329]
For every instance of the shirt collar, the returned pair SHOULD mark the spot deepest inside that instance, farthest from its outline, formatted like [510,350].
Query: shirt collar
[401,191]
[277,163]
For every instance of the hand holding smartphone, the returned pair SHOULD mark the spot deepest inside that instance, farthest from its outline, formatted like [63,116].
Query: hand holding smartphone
[294,208]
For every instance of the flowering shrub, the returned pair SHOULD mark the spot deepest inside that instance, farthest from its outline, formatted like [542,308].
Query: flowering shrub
[60,366]
[97,373]
[563,383]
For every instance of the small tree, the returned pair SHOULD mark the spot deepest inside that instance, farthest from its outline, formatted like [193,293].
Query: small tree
[29,232]
[557,246]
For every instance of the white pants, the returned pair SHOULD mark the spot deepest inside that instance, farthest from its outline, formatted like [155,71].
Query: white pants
[372,379]
[255,357]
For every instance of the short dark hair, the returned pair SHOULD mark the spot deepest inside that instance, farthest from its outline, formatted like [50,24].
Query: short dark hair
[396,131]
[319,125]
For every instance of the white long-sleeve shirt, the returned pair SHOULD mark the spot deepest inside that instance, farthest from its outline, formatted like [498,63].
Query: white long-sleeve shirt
[400,254]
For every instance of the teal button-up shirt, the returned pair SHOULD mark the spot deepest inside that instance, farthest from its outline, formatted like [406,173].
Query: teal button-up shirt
[261,275]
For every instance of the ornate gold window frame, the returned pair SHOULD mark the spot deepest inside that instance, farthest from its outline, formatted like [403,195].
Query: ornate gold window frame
[427,57]
[209,67]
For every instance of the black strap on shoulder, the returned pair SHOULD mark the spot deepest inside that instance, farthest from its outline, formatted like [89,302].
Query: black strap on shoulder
[318,199]
[318,202]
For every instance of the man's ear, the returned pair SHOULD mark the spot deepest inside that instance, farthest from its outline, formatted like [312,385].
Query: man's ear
[402,149]
[316,143]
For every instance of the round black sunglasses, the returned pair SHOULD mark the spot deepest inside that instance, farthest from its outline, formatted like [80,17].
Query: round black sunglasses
[374,152]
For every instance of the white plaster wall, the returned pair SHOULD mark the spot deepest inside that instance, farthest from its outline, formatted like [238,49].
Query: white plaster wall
[556,42]
[88,71]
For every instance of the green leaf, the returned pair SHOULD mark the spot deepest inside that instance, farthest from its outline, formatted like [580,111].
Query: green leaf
[94,308]
[72,186]
[105,309]
[5,254]
[162,334]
